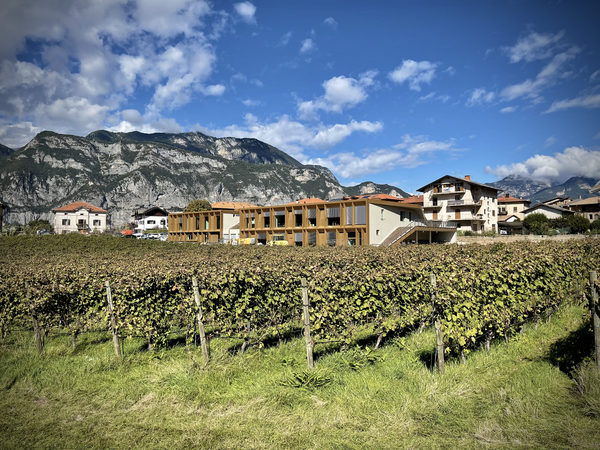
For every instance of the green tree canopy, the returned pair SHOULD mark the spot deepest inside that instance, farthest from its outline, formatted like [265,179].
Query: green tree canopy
[38,225]
[595,225]
[536,224]
[198,205]
[578,224]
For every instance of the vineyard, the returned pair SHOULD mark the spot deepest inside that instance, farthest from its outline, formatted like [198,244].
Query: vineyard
[57,284]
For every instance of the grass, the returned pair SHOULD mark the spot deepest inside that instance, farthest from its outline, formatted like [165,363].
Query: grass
[514,396]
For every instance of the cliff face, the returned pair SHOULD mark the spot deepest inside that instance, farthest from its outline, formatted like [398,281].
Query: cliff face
[122,172]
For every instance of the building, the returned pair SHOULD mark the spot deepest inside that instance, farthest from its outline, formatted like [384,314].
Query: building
[511,207]
[150,219]
[343,222]
[587,207]
[220,225]
[461,203]
[561,202]
[550,211]
[80,217]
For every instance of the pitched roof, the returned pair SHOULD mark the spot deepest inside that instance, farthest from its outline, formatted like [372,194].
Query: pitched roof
[543,205]
[232,205]
[373,196]
[508,199]
[416,199]
[306,201]
[422,189]
[585,201]
[76,206]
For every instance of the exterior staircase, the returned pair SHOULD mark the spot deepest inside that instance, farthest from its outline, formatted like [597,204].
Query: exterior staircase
[398,235]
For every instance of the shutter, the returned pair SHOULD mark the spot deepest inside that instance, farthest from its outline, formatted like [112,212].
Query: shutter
[349,215]
[361,216]
[298,237]
[312,213]
[333,212]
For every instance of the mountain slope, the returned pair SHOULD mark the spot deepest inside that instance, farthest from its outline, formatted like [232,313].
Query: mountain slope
[5,151]
[368,187]
[123,172]
[519,187]
[574,188]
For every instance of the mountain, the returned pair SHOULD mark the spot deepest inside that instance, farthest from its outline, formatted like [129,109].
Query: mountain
[536,191]
[122,172]
[368,187]
[5,151]
[574,188]
[519,187]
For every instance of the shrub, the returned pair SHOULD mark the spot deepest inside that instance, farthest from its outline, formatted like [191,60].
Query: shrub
[578,224]
[536,224]
[198,205]
[595,225]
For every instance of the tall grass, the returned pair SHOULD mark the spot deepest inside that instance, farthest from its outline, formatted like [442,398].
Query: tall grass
[515,395]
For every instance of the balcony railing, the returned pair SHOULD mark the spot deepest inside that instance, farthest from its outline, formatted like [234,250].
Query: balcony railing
[463,203]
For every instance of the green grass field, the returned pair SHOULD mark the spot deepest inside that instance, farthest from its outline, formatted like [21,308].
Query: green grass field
[538,390]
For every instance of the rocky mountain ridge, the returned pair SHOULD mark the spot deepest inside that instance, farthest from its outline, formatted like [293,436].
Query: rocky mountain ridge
[122,172]
[537,191]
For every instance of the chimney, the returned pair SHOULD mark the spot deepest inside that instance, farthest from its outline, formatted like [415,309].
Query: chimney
[506,195]
[468,177]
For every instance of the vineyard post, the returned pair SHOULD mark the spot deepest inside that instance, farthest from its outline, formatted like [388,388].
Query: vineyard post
[199,318]
[306,314]
[438,326]
[113,322]
[594,310]
[37,332]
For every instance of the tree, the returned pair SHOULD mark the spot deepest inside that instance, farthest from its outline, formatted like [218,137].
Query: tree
[39,225]
[595,225]
[198,205]
[578,224]
[536,224]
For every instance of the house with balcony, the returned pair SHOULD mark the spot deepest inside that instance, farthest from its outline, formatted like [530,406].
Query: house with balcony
[511,208]
[80,217]
[586,207]
[456,202]
[150,219]
[350,221]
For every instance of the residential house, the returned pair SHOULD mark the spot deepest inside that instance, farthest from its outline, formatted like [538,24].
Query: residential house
[151,219]
[550,211]
[509,206]
[587,207]
[561,202]
[348,221]
[81,217]
[461,203]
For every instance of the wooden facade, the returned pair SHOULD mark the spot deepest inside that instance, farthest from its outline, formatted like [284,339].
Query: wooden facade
[336,223]
[202,226]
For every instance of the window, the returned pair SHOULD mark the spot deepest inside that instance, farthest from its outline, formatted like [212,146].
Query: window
[312,219]
[360,215]
[333,216]
[514,209]
[331,238]
[312,238]
[267,220]
[151,222]
[351,238]
[349,215]
[162,222]
[66,222]
[96,222]
[180,223]
[206,226]
[298,239]
[252,220]
[218,222]
[381,214]
[198,223]
[279,219]
[298,215]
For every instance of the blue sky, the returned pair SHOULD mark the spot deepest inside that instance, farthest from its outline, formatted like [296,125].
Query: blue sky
[397,92]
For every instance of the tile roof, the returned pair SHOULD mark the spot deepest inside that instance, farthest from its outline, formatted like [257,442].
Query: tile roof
[508,199]
[306,201]
[416,199]
[585,201]
[424,188]
[76,206]
[232,205]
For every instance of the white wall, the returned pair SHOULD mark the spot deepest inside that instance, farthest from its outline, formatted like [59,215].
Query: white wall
[383,220]
[94,221]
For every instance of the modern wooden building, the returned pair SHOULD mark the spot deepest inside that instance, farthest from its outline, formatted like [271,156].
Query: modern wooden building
[345,222]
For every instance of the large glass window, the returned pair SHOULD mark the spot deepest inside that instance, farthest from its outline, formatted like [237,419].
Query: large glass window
[351,238]
[312,217]
[279,219]
[331,238]
[349,215]
[298,217]
[267,218]
[333,216]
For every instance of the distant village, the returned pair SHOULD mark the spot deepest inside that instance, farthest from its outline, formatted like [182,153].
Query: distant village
[448,207]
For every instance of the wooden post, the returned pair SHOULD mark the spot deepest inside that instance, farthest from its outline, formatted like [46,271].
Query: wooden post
[113,322]
[39,344]
[306,314]
[596,318]
[439,338]
[200,323]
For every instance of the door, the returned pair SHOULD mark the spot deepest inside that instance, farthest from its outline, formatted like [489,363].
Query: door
[457,214]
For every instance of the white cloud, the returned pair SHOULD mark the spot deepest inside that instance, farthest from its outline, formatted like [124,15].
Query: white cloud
[480,96]
[16,135]
[330,21]
[433,96]
[285,39]
[548,76]
[307,45]
[550,141]
[571,162]
[246,11]
[508,109]
[80,66]
[340,93]
[415,73]
[595,75]
[413,151]
[534,46]
[292,136]
[587,101]
[249,102]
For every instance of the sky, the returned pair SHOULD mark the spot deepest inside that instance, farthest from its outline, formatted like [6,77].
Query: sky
[397,92]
